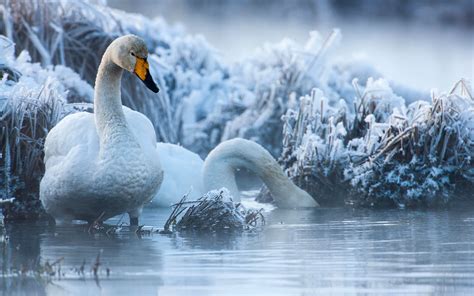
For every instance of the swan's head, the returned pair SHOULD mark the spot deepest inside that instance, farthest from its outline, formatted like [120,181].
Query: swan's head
[130,53]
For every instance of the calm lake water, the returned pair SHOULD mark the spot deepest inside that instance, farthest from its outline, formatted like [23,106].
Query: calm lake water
[298,252]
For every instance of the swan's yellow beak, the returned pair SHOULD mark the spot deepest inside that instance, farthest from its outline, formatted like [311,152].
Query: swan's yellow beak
[141,70]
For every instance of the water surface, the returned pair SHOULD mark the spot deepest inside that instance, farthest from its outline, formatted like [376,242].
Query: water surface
[298,252]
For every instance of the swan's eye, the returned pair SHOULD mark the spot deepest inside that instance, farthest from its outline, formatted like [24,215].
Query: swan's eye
[132,53]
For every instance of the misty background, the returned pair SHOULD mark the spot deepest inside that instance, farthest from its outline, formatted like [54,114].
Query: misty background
[420,44]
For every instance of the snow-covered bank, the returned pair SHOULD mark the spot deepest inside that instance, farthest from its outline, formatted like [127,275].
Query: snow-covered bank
[205,101]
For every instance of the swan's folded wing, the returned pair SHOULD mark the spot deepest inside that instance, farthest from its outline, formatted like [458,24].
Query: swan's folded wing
[79,129]
[142,128]
[72,131]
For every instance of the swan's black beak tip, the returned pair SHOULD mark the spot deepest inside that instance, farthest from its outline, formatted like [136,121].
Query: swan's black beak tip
[154,88]
[150,83]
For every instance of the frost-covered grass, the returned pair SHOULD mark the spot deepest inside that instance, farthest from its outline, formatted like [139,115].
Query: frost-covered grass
[382,152]
[273,77]
[214,211]
[313,147]
[32,101]
[421,154]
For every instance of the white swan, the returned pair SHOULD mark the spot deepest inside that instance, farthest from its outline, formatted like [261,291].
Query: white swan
[182,175]
[104,164]
[218,170]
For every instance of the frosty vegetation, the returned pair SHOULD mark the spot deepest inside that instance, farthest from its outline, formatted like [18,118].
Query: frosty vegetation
[382,152]
[214,211]
[344,130]
[32,100]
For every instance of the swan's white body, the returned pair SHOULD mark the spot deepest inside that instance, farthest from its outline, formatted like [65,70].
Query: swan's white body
[103,164]
[218,171]
[182,175]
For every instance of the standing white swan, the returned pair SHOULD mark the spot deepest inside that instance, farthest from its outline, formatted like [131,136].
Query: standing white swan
[184,169]
[104,164]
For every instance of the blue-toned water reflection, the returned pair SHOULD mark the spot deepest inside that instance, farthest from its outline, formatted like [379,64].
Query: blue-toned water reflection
[298,252]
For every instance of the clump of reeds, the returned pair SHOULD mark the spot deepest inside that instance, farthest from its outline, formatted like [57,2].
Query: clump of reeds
[314,153]
[384,153]
[214,211]
[26,117]
[421,156]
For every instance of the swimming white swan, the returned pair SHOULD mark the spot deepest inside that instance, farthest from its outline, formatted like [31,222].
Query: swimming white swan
[104,164]
[218,170]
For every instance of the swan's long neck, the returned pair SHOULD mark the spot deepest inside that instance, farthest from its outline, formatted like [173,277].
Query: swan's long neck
[109,117]
[221,163]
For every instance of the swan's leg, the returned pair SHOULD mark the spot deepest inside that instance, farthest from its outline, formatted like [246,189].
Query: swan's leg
[134,215]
